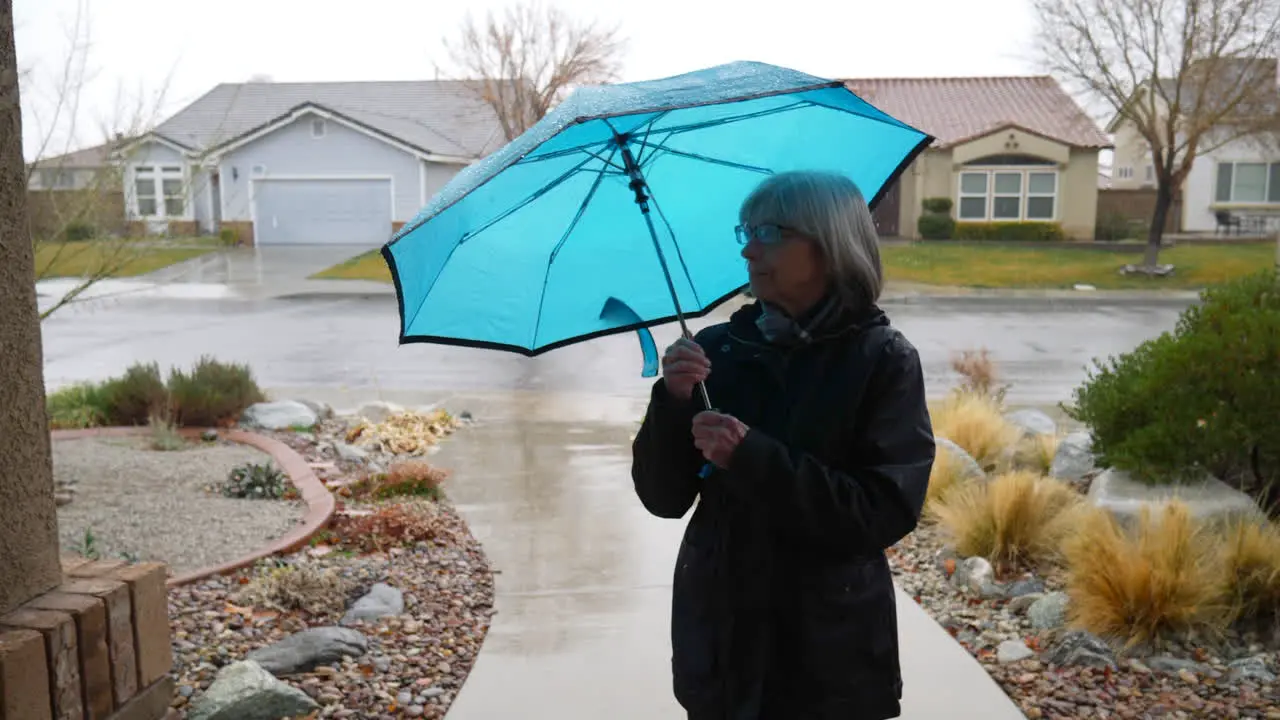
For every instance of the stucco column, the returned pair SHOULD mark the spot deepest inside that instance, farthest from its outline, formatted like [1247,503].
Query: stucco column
[29,556]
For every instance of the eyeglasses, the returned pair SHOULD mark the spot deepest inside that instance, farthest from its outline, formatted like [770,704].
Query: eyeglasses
[766,234]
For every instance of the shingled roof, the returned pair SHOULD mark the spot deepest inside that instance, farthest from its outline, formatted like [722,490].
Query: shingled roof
[955,110]
[436,116]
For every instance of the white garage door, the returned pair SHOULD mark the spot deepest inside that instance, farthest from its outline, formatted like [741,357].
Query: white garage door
[322,212]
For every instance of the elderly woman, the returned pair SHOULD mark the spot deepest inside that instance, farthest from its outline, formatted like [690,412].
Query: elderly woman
[820,446]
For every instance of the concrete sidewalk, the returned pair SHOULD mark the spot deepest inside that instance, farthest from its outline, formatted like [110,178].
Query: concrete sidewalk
[583,590]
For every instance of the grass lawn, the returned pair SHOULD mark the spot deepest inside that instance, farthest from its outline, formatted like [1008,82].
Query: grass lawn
[367,266]
[992,266]
[79,259]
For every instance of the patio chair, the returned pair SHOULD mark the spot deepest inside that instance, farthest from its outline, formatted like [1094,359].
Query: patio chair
[1226,221]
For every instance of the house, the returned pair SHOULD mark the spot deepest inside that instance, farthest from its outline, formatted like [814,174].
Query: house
[305,163]
[1237,171]
[1006,149]
[78,170]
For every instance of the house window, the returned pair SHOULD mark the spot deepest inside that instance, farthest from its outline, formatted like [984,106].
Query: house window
[1004,195]
[317,128]
[1042,195]
[1248,182]
[973,196]
[1124,173]
[1150,173]
[160,191]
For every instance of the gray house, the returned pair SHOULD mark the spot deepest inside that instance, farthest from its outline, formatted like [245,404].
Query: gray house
[305,163]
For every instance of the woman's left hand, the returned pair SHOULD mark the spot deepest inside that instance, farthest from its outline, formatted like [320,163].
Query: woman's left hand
[717,435]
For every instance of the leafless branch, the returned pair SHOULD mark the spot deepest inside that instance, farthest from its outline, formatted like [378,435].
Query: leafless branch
[523,62]
[1189,76]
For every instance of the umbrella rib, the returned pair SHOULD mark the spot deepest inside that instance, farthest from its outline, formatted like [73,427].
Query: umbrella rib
[648,128]
[679,255]
[467,236]
[546,277]
[704,158]
[679,129]
[534,196]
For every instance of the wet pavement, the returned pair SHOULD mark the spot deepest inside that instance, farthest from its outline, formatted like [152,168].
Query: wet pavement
[543,477]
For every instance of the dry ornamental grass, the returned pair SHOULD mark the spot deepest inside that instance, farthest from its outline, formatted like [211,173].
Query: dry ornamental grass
[1015,519]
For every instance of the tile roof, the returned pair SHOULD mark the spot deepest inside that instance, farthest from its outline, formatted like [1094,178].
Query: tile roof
[957,109]
[90,157]
[440,116]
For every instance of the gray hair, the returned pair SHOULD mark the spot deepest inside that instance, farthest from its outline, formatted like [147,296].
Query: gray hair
[829,208]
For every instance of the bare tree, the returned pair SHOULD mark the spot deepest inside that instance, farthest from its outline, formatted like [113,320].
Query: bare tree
[525,61]
[29,531]
[92,205]
[1189,76]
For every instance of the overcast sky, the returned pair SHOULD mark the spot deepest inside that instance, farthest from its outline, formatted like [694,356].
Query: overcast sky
[140,47]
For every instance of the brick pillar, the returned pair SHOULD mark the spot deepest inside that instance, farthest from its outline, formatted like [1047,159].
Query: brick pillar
[29,562]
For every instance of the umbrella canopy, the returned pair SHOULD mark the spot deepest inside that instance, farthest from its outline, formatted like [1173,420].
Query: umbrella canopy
[541,244]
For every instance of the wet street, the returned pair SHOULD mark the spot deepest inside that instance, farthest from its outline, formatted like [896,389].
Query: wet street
[543,476]
[344,348]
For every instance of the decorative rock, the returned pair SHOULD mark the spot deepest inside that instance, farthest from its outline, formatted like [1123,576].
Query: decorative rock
[1081,649]
[1208,500]
[1022,603]
[1251,668]
[404,698]
[1033,422]
[281,415]
[305,650]
[378,412]
[63,498]
[1028,586]
[415,711]
[350,453]
[1074,457]
[209,435]
[245,691]
[1011,651]
[381,601]
[324,411]
[948,559]
[973,573]
[1049,612]
[1175,666]
[465,416]
[969,468]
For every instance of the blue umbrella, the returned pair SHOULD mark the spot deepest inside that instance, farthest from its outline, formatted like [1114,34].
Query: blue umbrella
[616,211]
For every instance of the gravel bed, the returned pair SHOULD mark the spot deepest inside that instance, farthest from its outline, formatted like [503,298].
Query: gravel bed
[1187,681]
[150,505]
[416,662]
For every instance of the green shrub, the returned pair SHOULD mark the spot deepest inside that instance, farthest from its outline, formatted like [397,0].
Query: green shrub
[79,232]
[136,396]
[229,236]
[1203,397]
[213,393]
[937,205]
[936,227]
[164,436]
[82,405]
[1008,231]
[256,481]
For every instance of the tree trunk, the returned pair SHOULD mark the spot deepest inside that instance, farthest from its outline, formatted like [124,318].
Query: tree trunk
[1164,201]
[29,555]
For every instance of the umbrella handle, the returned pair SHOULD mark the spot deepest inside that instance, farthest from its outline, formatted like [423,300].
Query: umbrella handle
[707,468]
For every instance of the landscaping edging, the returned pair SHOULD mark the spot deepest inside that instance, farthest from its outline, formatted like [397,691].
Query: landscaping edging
[320,502]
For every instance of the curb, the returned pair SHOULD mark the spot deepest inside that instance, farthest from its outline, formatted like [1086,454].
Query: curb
[320,502]
[1041,301]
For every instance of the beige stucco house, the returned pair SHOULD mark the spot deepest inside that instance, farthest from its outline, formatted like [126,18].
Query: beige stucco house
[1007,149]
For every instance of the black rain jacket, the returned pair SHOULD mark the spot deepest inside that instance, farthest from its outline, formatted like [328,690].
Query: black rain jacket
[783,603]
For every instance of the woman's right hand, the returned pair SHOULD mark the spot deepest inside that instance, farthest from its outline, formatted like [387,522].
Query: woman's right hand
[683,366]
